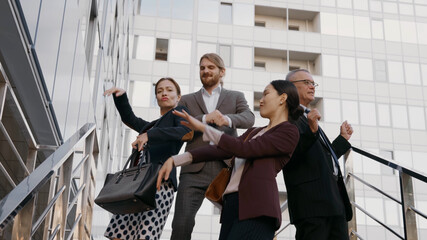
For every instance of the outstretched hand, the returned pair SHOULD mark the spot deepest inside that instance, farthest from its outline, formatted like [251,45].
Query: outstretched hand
[164,172]
[114,90]
[190,122]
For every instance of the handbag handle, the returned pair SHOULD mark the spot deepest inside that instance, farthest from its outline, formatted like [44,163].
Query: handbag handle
[135,152]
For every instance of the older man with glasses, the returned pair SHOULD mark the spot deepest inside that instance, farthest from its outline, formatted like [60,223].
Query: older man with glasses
[319,206]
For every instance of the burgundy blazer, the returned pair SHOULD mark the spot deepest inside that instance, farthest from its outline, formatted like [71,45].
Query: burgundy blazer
[265,156]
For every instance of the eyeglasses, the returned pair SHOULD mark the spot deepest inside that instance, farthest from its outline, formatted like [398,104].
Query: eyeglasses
[307,82]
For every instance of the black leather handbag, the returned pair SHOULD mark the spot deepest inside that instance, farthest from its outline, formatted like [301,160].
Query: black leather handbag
[133,189]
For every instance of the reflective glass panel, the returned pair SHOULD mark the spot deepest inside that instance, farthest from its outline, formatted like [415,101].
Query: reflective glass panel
[244,59]
[350,112]
[417,118]
[399,115]
[362,27]
[225,13]
[348,67]
[364,69]
[377,29]
[395,72]
[409,32]
[225,53]
[345,25]
[328,23]
[141,94]
[367,116]
[330,65]
[243,14]
[208,11]
[392,30]
[383,115]
[148,7]
[145,48]
[182,9]
[412,73]
[164,8]
[180,51]
[332,110]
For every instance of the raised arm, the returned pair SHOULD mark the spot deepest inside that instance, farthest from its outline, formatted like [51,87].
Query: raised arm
[126,113]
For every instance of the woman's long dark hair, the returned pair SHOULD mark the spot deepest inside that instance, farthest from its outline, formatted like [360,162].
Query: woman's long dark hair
[294,108]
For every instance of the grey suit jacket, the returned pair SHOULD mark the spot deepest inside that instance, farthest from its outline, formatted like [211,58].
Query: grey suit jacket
[230,103]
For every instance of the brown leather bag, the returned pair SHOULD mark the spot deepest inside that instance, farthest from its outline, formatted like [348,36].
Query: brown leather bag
[219,184]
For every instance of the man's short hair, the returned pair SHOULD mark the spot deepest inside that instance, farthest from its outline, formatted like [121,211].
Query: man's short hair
[215,58]
[292,73]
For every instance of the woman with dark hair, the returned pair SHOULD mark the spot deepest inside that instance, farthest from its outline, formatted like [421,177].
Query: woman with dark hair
[251,207]
[163,138]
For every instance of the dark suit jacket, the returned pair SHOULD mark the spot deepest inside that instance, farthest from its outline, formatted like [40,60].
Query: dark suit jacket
[165,135]
[312,189]
[265,157]
[230,103]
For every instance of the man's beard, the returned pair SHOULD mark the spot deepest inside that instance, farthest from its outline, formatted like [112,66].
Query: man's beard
[210,82]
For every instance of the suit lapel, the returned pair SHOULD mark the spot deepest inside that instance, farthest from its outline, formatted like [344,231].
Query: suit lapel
[199,100]
[221,98]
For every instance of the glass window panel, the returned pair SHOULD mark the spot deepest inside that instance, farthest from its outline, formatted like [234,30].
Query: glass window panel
[364,69]
[208,11]
[362,27]
[162,46]
[375,207]
[390,7]
[404,158]
[376,6]
[416,118]
[380,70]
[164,8]
[148,7]
[225,13]
[244,59]
[348,67]
[409,32]
[422,30]
[225,53]
[141,94]
[360,4]
[421,11]
[399,115]
[203,48]
[182,9]
[345,25]
[392,30]
[424,73]
[332,110]
[328,3]
[180,51]
[330,65]
[395,72]
[328,22]
[392,213]
[350,112]
[377,29]
[144,49]
[367,115]
[243,14]
[412,73]
[344,3]
[406,9]
[383,115]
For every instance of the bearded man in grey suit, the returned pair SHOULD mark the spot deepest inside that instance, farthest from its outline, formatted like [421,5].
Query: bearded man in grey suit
[224,109]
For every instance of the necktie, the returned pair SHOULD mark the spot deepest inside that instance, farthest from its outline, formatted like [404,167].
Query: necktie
[324,139]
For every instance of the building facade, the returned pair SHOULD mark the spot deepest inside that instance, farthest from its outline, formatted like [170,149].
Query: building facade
[367,56]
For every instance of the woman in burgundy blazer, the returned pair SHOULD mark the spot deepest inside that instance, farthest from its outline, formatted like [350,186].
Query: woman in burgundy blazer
[251,207]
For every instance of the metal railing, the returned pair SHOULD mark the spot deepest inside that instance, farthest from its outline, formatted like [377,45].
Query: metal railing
[406,201]
[56,200]
[406,190]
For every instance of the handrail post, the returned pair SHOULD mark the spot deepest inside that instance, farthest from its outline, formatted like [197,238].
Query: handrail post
[409,217]
[349,184]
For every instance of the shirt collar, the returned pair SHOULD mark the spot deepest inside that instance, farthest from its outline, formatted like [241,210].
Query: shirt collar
[216,90]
